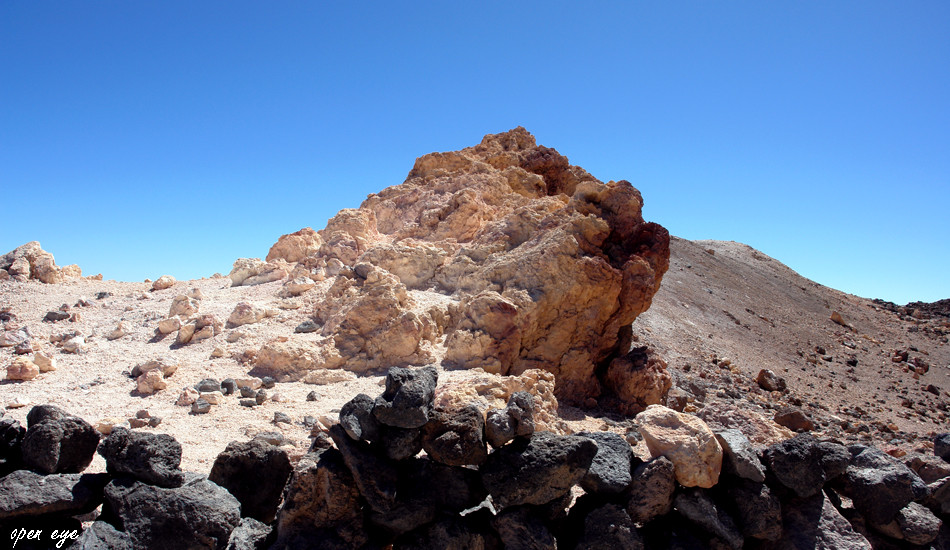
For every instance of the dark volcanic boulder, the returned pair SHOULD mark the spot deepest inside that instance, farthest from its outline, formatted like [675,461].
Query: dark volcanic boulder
[25,494]
[697,506]
[456,437]
[56,442]
[516,419]
[408,397]
[357,418]
[11,438]
[375,476]
[536,470]
[151,458]
[451,533]
[199,514]
[102,536]
[757,510]
[610,471]
[255,472]
[520,528]
[880,485]
[803,464]
[651,491]
[609,527]
[738,458]
[813,522]
[321,505]
[942,446]
[399,443]
[250,534]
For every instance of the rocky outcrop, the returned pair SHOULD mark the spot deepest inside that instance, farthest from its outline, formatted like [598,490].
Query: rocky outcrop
[31,262]
[517,258]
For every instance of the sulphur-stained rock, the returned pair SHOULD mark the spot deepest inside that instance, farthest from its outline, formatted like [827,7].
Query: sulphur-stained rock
[30,261]
[150,382]
[684,439]
[166,364]
[163,282]
[297,286]
[183,306]
[170,325]
[245,313]
[22,368]
[296,247]
[293,360]
[638,379]
[531,262]
[253,271]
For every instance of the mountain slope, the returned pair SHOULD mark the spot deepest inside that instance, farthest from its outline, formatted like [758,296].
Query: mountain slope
[725,300]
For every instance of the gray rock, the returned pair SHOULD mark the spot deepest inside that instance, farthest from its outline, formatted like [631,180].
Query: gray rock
[268,382]
[200,406]
[651,491]
[151,458]
[255,472]
[248,402]
[609,527]
[942,446]
[879,485]
[260,396]
[813,522]
[738,457]
[357,419]
[758,511]
[282,418]
[408,397]
[247,392]
[516,419]
[312,396]
[273,438]
[399,443]
[536,470]
[56,315]
[797,464]
[250,534]
[520,529]
[58,444]
[916,524]
[208,385]
[307,326]
[228,386]
[26,494]
[11,439]
[102,536]
[610,472]
[769,381]
[697,506]
[199,514]
[455,438]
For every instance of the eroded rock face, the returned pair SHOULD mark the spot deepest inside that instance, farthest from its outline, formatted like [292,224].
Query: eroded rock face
[30,261]
[519,259]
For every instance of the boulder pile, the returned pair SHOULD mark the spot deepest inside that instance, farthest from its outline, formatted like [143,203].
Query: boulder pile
[501,256]
[400,470]
[31,262]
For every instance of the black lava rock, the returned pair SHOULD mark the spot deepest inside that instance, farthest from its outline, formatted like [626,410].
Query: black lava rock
[151,458]
[408,397]
[254,472]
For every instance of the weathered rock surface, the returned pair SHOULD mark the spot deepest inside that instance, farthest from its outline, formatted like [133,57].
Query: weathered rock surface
[102,536]
[255,472]
[151,458]
[651,491]
[408,398]
[520,259]
[30,261]
[56,442]
[610,472]
[684,439]
[879,484]
[199,514]
[25,494]
[536,470]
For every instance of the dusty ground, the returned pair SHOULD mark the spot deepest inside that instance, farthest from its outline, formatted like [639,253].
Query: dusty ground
[725,300]
[733,302]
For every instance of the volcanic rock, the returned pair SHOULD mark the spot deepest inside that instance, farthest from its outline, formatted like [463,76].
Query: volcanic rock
[738,457]
[199,514]
[255,472]
[536,470]
[56,442]
[26,494]
[102,536]
[803,464]
[516,419]
[879,484]
[30,261]
[249,534]
[151,458]
[609,473]
[407,400]
[651,490]
[456,437]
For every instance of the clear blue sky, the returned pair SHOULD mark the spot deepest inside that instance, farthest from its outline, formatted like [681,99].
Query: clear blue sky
[143,138]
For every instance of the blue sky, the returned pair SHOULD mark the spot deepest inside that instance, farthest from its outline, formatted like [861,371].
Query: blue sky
[143,138]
